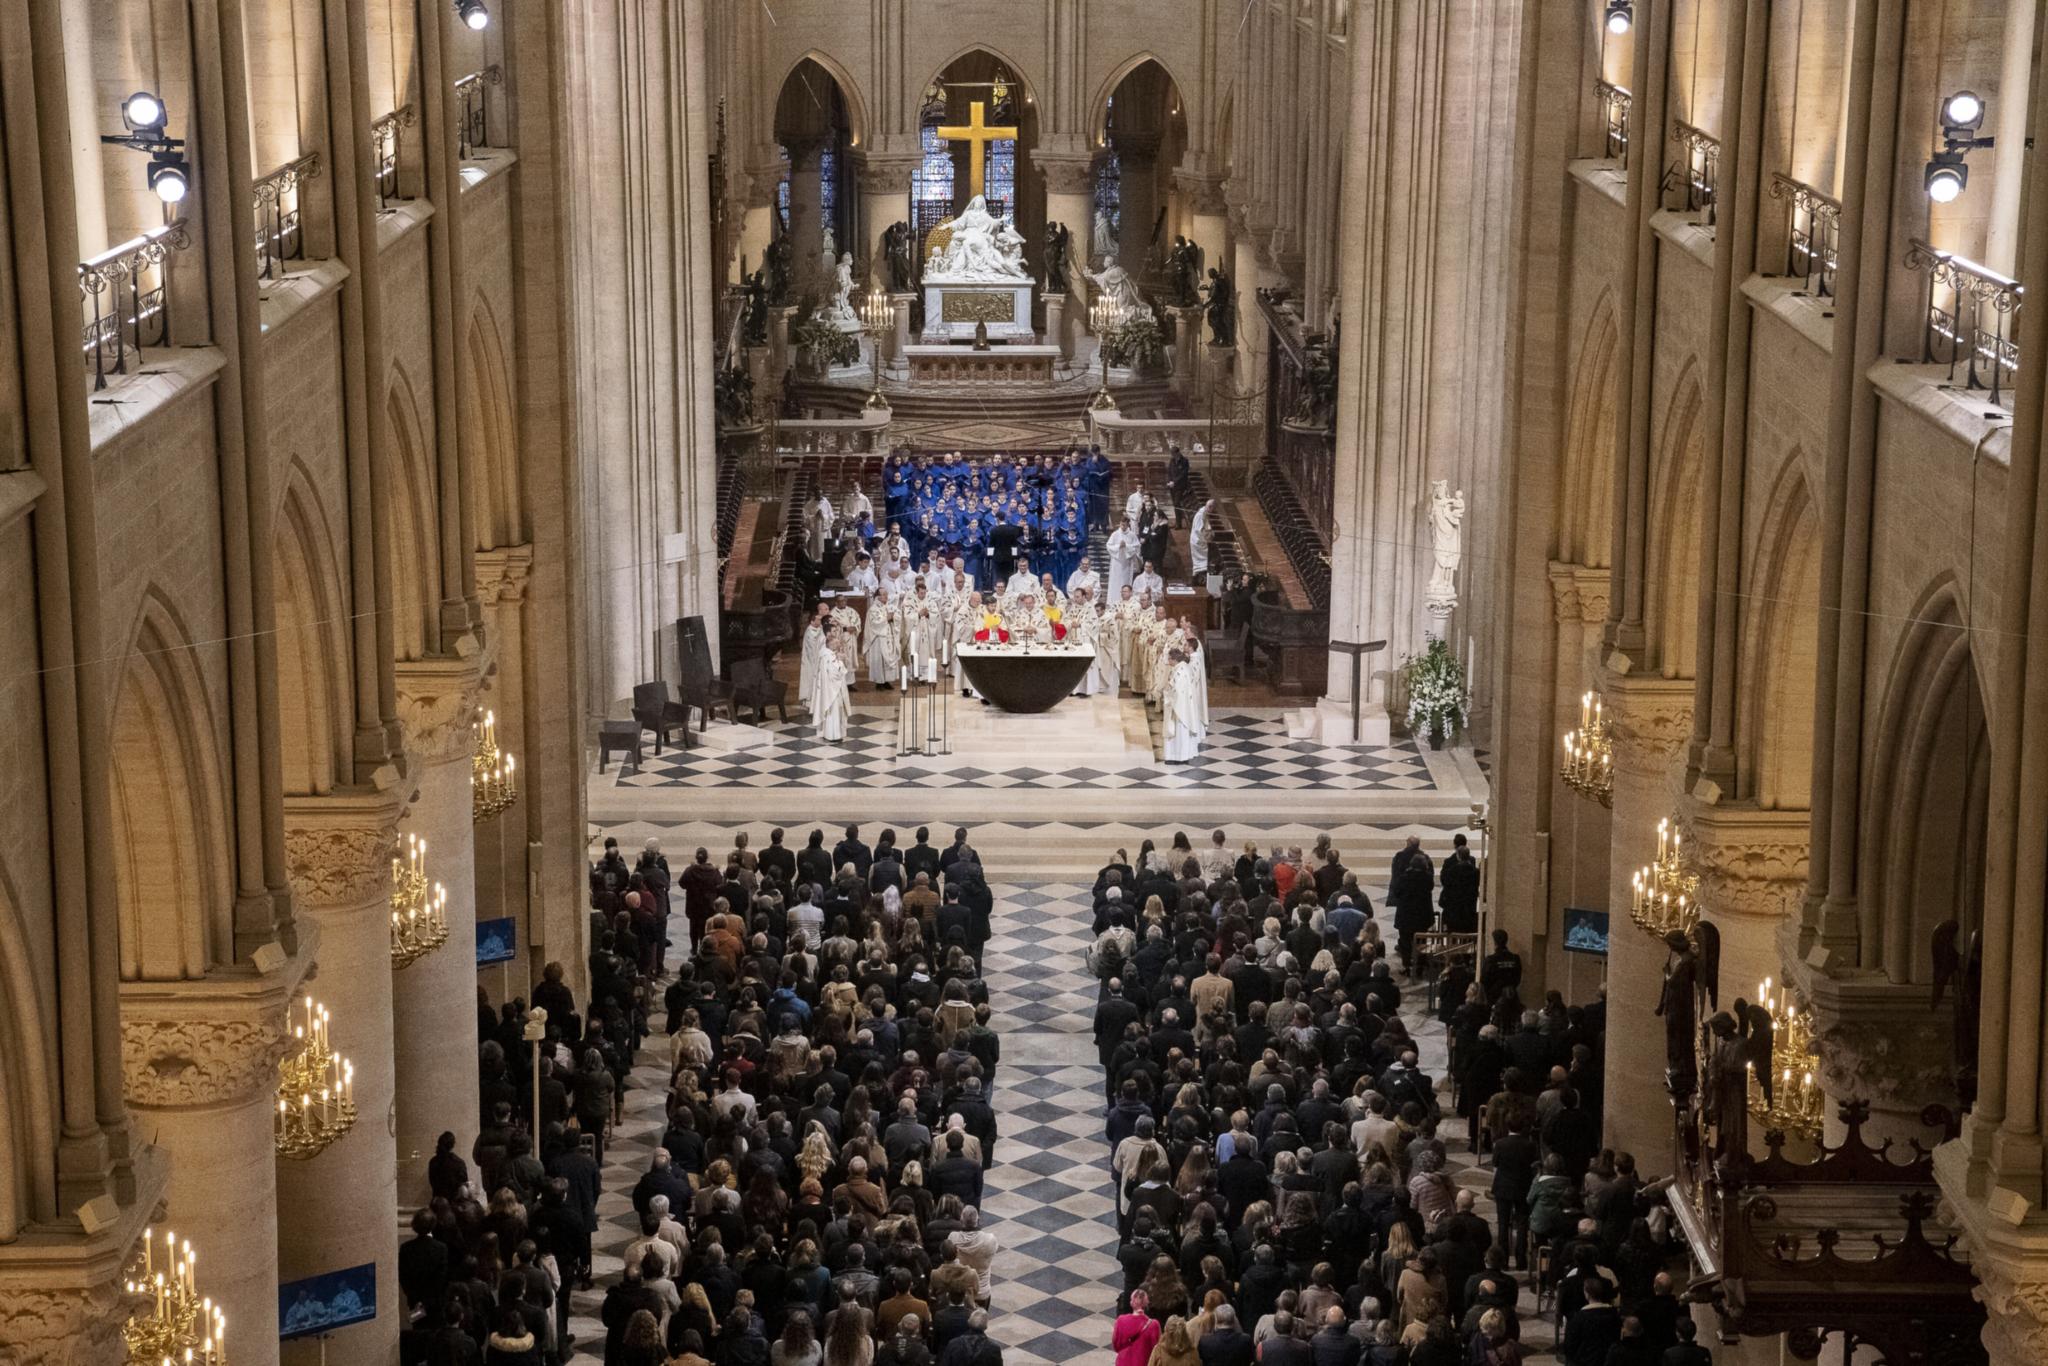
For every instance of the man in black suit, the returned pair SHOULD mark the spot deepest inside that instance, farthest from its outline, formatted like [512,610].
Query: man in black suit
[1460,895]
[1113,1014]
[956,1173]
[423,1264]
[959,851]
[1004,538]
[1408,887]
[777,859]
[1502,970]
[920,857]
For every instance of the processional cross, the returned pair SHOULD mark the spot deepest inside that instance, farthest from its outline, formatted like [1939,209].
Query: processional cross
[977,136]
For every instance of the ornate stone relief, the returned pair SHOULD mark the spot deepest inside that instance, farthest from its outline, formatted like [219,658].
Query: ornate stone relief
[884,175]
[2016,1326]
[1750,862]
[1578,594]
[502,574]
[1652,720]
[190,1062]
[339,866]
[1066,175]
[1874,1059]
[437,705]
[71,1327]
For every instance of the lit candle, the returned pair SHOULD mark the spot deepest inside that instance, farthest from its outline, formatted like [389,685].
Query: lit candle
[146,1255]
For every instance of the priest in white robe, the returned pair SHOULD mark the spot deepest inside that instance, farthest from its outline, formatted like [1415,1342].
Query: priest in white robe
[968,612]
[1107,672]
[1150,584]
[845,642]
[863,578]
[830,705]
[925,635]
[1125,557]
[1180,710]
[1200,530]
[1021,582]
[883,640]
[1083,628]
[1086,577]
[814,646]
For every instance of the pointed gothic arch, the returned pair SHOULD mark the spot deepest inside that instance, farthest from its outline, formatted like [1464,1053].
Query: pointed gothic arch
[28,1096]
[1780,634]
[857,123]
[1585,511]
[1098,100]
[171,839]
[490,430]
[1671,600]
[1922,860]
[315,708]
[413,515]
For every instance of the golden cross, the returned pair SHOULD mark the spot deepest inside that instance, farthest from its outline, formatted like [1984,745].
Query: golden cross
[977,136]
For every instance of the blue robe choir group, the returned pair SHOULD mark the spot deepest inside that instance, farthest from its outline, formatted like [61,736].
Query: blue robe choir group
[992,510]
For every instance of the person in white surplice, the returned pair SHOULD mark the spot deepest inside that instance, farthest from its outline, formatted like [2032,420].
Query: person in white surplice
[1082,630]
[924,635]
[1124,557]
[845,642]
[884,640]
[1109,644]
[1199,532]
[968,611]
[814,646]
[1086,577]
[829,704]
[1180,710]
[1150,584]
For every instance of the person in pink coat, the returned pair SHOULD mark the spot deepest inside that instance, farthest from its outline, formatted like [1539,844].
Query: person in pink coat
[1135,1333]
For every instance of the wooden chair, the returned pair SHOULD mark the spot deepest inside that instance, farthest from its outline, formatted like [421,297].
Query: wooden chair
[709,694]
[655,710]
[619,737]
[1228,651]
[753,689]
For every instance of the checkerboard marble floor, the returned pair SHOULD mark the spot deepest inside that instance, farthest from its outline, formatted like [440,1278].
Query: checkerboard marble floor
[1246,749]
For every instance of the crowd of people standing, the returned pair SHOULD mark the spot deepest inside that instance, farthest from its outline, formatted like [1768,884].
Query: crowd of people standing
[814,1196]
[1283,1174]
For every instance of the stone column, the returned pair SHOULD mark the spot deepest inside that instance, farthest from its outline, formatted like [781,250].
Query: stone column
[501,841]
[338,851]
[1138,196]
[1208,226]
[1752,868]
[201,1060]
[1070,201]
[900,308]
[1056,333]
[433,1001]
[1187,346]
[1652,719]
[757,227]
[1536,801]
[884,199]
[806,212]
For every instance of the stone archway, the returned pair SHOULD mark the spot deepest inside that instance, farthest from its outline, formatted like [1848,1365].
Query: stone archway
[1780,641]
[314,695]
[1585,504]
[1671,603]
[413,516]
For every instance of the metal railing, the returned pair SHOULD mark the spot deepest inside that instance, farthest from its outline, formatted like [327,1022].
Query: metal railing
[1813,231]
[126,293]
[387,136]
[280,233]
[1697,171]
[1972,318]
[1615,103]
[473,117]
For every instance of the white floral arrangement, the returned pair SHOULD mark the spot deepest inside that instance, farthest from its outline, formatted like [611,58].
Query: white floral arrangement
[1438,703]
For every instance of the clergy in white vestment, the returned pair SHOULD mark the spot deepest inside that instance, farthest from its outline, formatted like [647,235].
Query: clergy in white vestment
[1124,557]
[1134,505]
[817,530]
[894,549]
[814,646]
[884,640]
[822,509]
[1108,668]
[1150,584]
[968,611]
[1021,582]
[1180,710]
[856,505]
[863,579]
[1049,594]
[1086,577]
[1191,644]
[1199,533]
[1083,626]
[925,635]
[829,702]
[846,643]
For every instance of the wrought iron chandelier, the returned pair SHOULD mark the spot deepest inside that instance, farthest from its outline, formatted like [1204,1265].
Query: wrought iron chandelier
[172,1321]
[419,915]
[316,1089]
[493,774]
[1588,767]
[1663,895]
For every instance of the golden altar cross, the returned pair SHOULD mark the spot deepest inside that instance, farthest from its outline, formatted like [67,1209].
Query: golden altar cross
[977,136]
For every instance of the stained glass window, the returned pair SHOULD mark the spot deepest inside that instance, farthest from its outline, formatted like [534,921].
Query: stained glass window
[828,187]
[782,187]
[931,187]
[1109,182]
[1001,172]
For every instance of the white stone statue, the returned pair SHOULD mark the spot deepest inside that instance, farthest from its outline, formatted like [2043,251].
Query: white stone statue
[976,248]
[1102,237]
[841,309]
[1446,518]
[1116,282]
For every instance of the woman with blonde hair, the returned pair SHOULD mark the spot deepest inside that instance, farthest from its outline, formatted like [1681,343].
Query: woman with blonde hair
[1176,1347]
[1394,1259]
[815,1158]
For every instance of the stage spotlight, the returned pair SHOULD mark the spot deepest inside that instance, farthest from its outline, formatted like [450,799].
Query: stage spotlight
[142,112]
[1946,176]
[1621,17]
[473,14]
[1962,114]
[168,177]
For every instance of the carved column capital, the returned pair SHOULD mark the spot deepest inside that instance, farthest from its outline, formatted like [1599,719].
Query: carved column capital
[1203,193]
[1652,719]
[338,848]
[2015,1312]
[212,1041]
[1578,594]
[75,1326]
[879,174]
[1066,174]
[1878,1041]
[61,1301]
[437,703]
[502,574]
[1750,861]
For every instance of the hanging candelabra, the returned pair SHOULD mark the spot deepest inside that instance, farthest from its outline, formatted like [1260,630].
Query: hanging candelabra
[316,1089]
[1663,895]
[1588,767]
[172,1322]
[1796,1105]
[419,913]
[493,774]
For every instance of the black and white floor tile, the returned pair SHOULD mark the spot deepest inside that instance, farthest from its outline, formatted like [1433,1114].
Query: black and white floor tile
[1245,749]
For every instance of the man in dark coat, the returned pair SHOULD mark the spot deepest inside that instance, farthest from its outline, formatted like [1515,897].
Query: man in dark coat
[851,850]
[1460,895]
[700,882]
[921,857]
[1408,887]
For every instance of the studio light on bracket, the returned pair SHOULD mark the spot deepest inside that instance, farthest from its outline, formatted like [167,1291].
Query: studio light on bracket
[1621,17]
[144,116]
[1948,171]
[473,13]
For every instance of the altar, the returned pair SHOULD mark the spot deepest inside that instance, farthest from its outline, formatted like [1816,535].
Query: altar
[956,364]
[954,308]
[1025,679]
